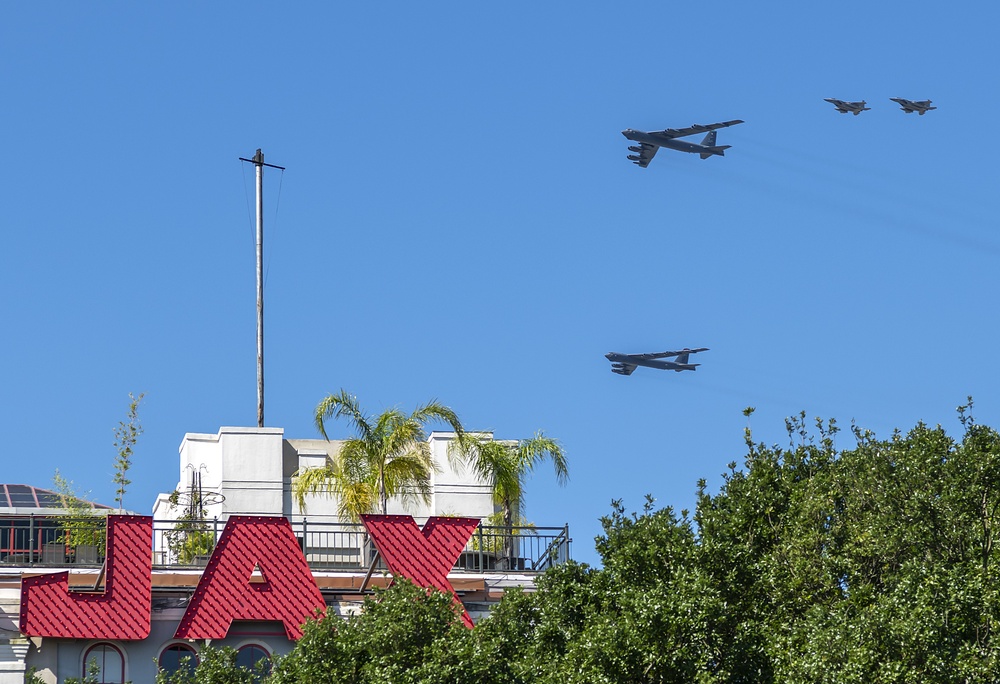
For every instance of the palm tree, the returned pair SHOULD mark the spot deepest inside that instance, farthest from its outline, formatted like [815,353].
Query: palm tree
[506,463]
[388,457]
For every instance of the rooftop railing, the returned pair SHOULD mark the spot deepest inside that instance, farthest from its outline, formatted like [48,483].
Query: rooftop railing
[59,541]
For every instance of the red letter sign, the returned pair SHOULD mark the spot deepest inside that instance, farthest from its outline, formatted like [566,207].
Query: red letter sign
[121,611]
[423,557]
[225,593]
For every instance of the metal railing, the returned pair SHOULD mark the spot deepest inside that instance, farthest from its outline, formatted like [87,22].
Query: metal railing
[63,540]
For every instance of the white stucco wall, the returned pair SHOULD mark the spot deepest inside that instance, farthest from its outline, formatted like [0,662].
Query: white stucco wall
[252,469]
[457,488]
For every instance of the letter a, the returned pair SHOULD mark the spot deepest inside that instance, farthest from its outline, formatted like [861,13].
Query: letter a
[282,590]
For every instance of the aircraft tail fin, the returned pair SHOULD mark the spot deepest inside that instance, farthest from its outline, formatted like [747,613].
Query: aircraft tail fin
[716,149]
[709,142]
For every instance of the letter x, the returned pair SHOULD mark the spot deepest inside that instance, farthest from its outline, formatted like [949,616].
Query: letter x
[425,557]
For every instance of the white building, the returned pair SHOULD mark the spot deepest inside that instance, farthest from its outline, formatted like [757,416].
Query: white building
[252,469]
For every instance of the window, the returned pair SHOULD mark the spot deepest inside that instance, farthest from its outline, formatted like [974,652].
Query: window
[250,655]
[107,662]
[176,657]
[21,496]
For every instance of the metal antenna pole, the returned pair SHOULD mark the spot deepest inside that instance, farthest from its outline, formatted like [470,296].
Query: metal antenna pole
[258,161]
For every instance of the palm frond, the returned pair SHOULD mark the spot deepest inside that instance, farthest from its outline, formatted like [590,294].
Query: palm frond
[342,405]
[307,481]
[388,457]
[356,499]
[503,470]
[504,465]
[408,475]
[540,447]
[386,424]
[356,461]
[405,434]
[436,411]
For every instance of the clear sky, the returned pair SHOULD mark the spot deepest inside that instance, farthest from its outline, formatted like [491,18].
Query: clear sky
[458,221]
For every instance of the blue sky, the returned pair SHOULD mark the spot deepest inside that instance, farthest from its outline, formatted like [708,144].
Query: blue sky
[458,221]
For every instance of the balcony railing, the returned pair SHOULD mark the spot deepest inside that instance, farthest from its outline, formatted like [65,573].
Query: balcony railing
[59,541]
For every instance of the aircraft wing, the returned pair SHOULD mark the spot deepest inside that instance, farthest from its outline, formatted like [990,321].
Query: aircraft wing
[644,157]
[696,128]
[667,354]
[910,106]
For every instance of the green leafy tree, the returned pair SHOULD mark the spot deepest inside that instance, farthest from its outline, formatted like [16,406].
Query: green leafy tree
[875,563]
[649,615]
[216,666]
[81,526]
[872,564]
[388,457]
[191,536]
[395,638]
[93,675]
[126,435]
[31,676]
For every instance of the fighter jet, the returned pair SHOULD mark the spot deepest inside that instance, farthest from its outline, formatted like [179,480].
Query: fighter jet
[650,142]
[921,107]
[624,364]
[854,108]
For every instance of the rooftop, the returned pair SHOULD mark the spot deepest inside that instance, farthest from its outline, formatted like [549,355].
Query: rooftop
[22,497]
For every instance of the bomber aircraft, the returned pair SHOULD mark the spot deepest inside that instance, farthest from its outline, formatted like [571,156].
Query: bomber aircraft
[624,364]
[650,142]
[854,108]
[921,107]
